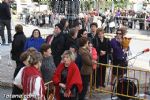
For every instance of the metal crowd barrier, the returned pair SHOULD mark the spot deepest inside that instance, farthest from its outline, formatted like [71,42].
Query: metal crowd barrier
[50,91]
[132,85]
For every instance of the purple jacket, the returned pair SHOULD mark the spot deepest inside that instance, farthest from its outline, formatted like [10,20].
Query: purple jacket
[117,50]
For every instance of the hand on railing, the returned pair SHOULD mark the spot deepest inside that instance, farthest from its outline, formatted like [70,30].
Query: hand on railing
[62,85]
[94,61]
[50,82]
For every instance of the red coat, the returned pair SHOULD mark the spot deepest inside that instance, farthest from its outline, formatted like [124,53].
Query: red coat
[73,78]
[94,57]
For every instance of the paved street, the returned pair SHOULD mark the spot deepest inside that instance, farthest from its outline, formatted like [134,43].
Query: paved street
[4,92]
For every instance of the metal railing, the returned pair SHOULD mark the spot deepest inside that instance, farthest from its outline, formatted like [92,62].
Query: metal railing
[50,91]
[130,85]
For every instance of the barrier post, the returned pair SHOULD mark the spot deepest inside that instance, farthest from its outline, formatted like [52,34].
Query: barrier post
[91,85]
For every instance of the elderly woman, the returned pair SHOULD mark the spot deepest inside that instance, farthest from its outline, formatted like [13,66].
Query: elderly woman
[30,80]
[67,78]
[35,40]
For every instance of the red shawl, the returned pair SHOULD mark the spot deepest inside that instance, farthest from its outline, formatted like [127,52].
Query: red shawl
[29,76]
[73,78]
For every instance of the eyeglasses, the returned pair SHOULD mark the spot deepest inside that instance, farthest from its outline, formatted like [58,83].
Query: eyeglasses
[119,33]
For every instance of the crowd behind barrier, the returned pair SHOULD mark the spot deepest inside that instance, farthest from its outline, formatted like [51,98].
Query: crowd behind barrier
[135,22]
[50,19]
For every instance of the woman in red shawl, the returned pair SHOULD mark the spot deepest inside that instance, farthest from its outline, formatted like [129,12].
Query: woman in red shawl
[67,78]
[30,80]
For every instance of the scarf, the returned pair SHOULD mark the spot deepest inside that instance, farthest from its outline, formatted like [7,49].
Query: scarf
[29,76]
[73,78]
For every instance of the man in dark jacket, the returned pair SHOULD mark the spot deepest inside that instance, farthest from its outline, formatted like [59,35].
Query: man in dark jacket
[5,20]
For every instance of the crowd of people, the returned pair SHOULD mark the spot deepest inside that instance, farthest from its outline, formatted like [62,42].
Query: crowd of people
[65,58]
[106,19]
[41,19]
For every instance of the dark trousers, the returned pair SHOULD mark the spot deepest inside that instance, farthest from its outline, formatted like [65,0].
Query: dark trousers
[16,91]
[141,25]
[6,23]
[100,76]
[85,82]
[130,24]
[70,98]
[119,71]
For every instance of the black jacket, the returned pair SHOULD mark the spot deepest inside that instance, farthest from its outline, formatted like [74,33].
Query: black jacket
[102,46]
[5,11]
[58,48]
[69,42]
[18,45]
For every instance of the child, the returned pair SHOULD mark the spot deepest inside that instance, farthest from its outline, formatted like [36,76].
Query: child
[93,53]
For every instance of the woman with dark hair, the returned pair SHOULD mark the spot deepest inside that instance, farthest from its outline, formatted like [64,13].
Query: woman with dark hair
[72,38]
[65,24]
[35,40]
[86,69]
[18,42]
[119,54]
[103,49]
[48,67]
[82,33]
[67,78]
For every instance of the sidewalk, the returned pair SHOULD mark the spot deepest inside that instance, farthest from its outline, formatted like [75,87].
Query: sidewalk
[6,67]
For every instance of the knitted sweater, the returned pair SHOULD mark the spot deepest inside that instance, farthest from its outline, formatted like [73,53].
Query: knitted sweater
[47,68]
